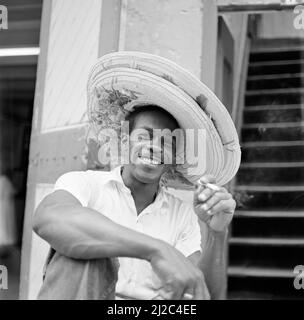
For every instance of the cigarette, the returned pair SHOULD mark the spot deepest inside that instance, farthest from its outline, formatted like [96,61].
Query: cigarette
[209,185]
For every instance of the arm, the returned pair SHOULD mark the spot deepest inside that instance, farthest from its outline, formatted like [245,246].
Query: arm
[215,210]
[82,233]
[212,262]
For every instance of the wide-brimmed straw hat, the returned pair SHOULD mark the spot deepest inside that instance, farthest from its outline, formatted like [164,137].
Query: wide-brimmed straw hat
[120,81]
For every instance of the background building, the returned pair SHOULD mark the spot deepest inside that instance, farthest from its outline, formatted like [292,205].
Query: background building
[248,52]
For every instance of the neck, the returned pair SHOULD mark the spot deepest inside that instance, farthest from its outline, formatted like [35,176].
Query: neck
[141,192]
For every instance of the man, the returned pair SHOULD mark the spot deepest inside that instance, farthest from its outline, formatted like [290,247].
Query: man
[94,217]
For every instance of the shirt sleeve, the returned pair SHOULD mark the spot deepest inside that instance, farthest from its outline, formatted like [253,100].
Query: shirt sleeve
[76,183]
[189,238]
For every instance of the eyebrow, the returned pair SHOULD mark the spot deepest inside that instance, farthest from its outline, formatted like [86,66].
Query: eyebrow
[150,130]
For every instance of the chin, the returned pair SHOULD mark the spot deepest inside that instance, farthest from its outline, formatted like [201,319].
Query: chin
[146,174]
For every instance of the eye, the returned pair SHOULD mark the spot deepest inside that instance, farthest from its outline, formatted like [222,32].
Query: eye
[143,137]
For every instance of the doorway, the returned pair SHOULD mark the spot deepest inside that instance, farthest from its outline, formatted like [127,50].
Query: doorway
[19,48]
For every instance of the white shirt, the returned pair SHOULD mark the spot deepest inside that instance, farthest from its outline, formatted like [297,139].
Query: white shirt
[168,218]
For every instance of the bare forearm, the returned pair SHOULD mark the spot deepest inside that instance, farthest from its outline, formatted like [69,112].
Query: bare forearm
[83,233]
[213,263]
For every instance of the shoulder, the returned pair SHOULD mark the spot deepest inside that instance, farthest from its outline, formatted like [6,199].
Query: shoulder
[86,186]
[87,176]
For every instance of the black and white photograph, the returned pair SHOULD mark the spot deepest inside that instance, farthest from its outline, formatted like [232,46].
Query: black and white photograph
[152,150]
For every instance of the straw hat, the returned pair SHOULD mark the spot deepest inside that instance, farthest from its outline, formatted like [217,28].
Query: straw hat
[120,81]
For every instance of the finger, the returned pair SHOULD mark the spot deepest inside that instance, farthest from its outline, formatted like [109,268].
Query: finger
[171,293]
[199,292]
[203,215]
[225,206]
[215,199]
[207,179]
[164,295]
[204,194]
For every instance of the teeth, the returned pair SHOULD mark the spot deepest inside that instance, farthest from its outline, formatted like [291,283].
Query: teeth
[149,161]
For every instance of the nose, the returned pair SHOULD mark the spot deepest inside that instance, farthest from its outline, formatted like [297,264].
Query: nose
[155,151]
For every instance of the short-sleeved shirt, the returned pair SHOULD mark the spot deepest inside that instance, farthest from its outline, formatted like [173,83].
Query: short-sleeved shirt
[168,218]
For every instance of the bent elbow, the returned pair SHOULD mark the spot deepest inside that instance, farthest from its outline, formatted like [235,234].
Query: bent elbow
[41,221]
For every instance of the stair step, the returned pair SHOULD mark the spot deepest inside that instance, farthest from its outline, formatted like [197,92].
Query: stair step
[269,214]
[275,91]
[290,67]
[274,107]
[275,76]
[275,83]
[256,165]
[271,175]
[283,257]
[266,151]
[265,288]
[270,188]
[271,144]
[282,115]
[273,125]
[234,271]
[266,241]
[273,134]
[274,98]
[265,199]
[287,54]
[276,63]
[270,227]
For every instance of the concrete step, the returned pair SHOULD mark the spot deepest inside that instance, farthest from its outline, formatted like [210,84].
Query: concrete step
[268,134]
[278,115]
[269,214]
[266,256]
[239,271]
[286,176]
[268,151]
[249,229]
[266,241]
[287,54]
[262,198]
[274,97]
[279,67]
[283,82]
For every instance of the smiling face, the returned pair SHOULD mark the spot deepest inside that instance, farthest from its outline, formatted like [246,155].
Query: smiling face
[149,149]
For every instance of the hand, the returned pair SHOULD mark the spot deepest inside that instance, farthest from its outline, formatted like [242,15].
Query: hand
[214,207]
[180,279]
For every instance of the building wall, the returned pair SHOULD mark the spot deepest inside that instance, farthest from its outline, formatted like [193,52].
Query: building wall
[278,25]
[172,29]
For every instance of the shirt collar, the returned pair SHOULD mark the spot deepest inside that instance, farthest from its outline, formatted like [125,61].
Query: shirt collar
[160,200]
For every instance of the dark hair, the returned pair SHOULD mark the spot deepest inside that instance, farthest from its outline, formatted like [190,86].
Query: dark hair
[133,115]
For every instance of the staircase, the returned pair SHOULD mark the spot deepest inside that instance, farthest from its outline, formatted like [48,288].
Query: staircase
[267,234]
